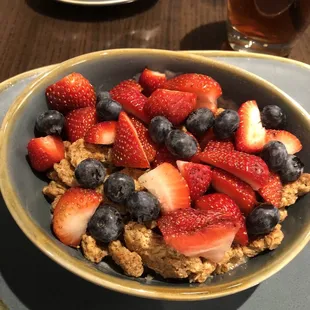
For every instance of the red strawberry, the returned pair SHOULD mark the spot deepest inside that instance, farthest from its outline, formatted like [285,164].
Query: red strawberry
[204,140]
[78,122]
[291,142]
[174,105]
[222,203]
[167,184]
[198,233]
[147,143]
[127,150]
[272,191]
[197,176]
[72,92]
[151,80]
[237,190]
[44,152]
[251,135]
[102,133]
[249,168]
[206,89]
[218,145]
[72,213]
[195,157]
[132,84]
[131,99]
[163,156]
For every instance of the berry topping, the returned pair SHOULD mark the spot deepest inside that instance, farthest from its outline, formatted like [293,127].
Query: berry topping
[273,117]
[107,109]
[159,128]
[222,145]
[272,191]
[275,155]
[50,122]
[262,220]
[151,80]
[163,156]
[101,133]
[106,224]
[200,121]
[291,170]
[226,124]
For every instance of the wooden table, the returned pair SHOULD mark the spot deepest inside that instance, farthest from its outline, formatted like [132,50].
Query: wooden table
[36,33]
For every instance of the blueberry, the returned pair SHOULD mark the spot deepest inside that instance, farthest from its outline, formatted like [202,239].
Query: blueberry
[90,173]
[180,144]
[159,128]
[118,187]
[226,124]
[262,219]
[291,170]
[106,224]
[273,117]
[199,121]
[50,122]
[275,155]
[143,206]
[107,109]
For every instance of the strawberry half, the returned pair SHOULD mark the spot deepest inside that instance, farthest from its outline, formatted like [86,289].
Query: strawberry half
[251,135]
[198,233]
[128,94]
[163,156]
[72,92]
[219,145]
[239,191]
[72,213]
[291,142]
[78,122]
[249,168]
[148,145]
[174,105]
[128,150]
[206,88]
[197,176]
[44,152]
[102,133]
[272,191]
[151,80]
[224,205]
[167,184]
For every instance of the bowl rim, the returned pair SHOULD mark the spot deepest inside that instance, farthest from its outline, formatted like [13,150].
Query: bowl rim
[86,271]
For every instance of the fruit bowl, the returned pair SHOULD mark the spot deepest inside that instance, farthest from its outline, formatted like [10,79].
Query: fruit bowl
[21,188]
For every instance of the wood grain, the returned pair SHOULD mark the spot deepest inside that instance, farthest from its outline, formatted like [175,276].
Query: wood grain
[36,33]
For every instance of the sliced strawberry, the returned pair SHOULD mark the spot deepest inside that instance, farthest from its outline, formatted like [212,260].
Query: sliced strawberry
[129,96]
[224,205]
[174,105]
[163,156]
[167,184]
[102,133]
[72,213]
[237,190]
[249,168]
[197,176]
[198,233]
[204,140]
[206,88]
[72,92]
[291,142]
[127,150]
[44,152]
[78,122]
[151,80]
[272,191]
[251,135]
[218,145]
[147,143]
[132,84]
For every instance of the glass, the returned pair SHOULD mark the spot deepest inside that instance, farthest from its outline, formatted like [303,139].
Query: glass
[266,26]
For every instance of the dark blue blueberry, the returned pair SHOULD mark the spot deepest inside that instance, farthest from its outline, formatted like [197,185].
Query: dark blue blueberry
[143,207]
[275,155]
[180,144]
[291,170]
[159,128]
[199,121]
[118,187]
[107,109]
[106,224]
[90,173]
[50,122]
[226,124]
[262,220]
[273,117]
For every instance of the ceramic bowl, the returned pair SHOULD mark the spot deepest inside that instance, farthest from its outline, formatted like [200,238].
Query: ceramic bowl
[21,188]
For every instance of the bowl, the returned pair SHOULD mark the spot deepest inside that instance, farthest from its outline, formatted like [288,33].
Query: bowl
[21,188]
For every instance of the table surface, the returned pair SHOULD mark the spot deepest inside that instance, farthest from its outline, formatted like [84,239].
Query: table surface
[36,33]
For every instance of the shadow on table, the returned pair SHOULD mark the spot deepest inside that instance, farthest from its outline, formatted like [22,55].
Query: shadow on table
[39,283]
[65,11]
